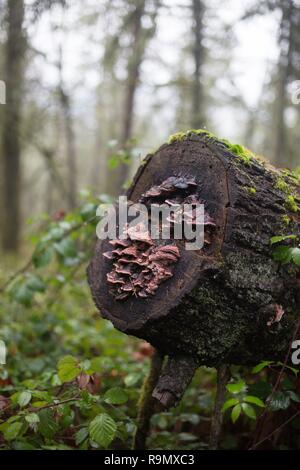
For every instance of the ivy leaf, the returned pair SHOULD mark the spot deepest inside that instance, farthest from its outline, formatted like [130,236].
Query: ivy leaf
[68,369]
[249,410]
[102,429]
[116,396]
[230,403]
[24,398]
[296,256]
[12,431]
[236,411]
[236,387]
[255,400]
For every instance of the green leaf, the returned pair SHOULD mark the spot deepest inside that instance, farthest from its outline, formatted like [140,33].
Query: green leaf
[230,403]
[281,238]
[42,395]
[23,295]
[56,233]
[68,369]
[42,255]
[236,387]
[88,211]
[255,400]
[12,431]
[32,418]
[81,436]
[249,410]
[39,404]
[47,425]
[66,248]
[296,256]
[102,429]
[132,379]
[261,366]
[97,364]
[23,445]
[35,283]
[282,254]
[235,413]
[24,398]
[2,352]
[293,396]
[116,396]
[279,401]
[113,161]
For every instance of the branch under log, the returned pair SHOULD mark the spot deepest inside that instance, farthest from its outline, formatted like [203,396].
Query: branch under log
[175,377]
[223,376]
[147,403]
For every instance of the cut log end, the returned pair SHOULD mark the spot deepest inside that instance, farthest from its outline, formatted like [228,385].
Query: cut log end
[229,302]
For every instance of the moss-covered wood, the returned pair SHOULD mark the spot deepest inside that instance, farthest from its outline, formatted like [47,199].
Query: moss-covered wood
[229,302]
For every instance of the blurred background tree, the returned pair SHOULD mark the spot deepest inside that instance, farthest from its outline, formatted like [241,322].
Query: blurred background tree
[91,90]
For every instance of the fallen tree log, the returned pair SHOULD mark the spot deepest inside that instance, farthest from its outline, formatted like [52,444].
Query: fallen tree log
[228,303]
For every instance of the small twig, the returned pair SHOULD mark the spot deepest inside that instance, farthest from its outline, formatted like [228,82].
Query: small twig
[49,405]
[275,388]
[275,430]
[223,375]
[147,402]
[22,270]
[52,405]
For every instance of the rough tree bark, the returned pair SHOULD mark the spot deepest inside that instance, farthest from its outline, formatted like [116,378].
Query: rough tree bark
[14,74]
[230,302]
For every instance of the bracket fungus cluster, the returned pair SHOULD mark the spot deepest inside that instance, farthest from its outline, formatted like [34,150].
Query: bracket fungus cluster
[229,302]
[141,264]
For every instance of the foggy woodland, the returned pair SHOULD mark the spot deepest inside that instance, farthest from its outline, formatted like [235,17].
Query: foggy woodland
[87,90]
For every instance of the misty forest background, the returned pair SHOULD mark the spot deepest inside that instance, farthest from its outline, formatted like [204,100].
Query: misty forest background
[91,88]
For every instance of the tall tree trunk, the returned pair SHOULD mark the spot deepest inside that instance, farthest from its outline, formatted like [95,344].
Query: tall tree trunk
[133,75]
[284,69]
[14,76]
[198,54]
[70,138]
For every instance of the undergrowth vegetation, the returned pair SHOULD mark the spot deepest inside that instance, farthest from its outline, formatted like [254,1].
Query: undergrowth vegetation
[71,381]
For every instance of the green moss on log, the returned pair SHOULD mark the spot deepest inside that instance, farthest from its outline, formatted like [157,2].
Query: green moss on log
[243,154]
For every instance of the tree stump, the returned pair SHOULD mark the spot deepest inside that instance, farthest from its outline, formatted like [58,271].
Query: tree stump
[230,302]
